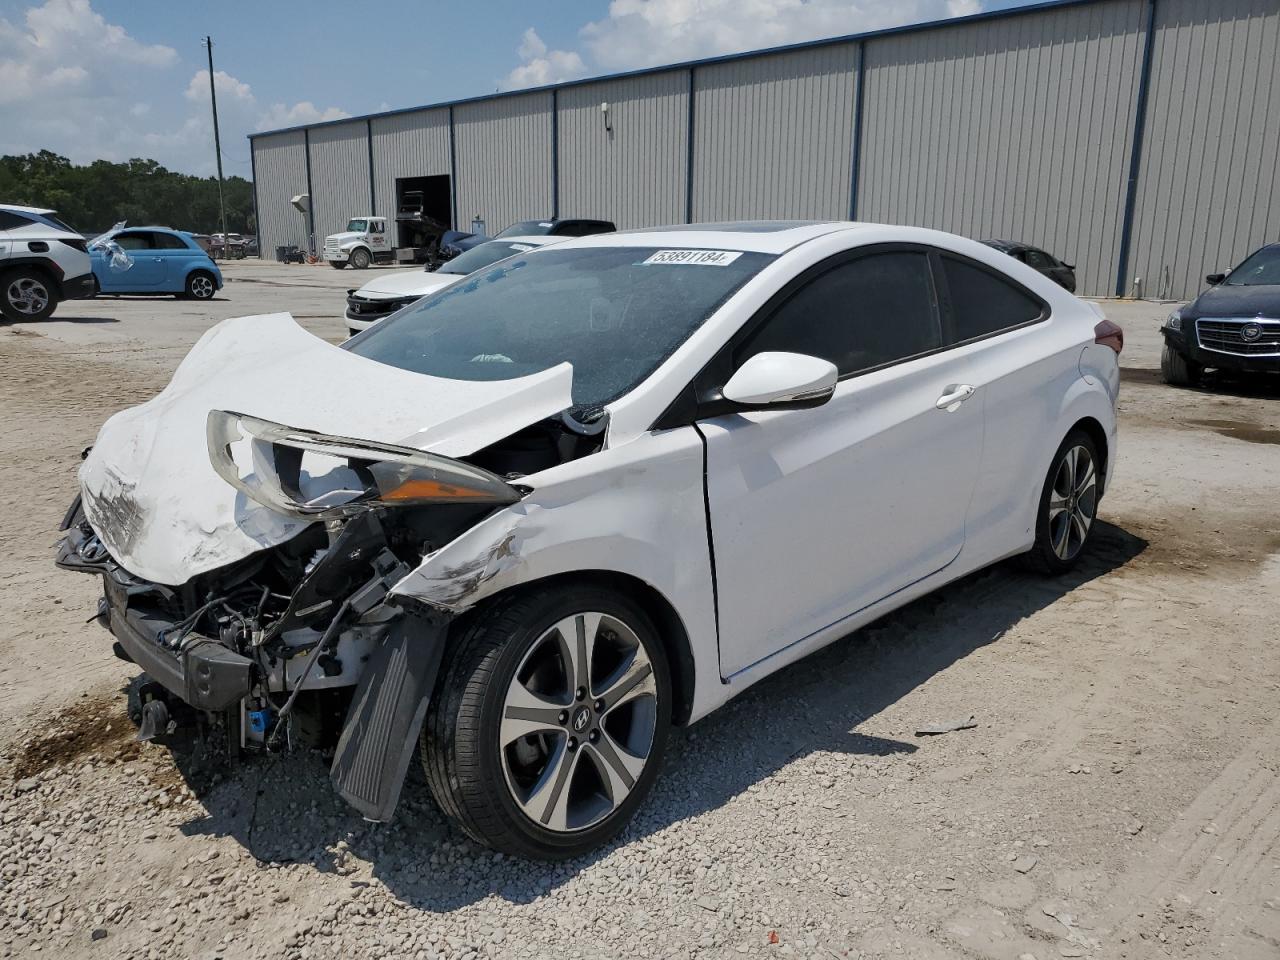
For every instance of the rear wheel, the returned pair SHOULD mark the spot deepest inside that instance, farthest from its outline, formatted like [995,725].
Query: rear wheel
[26,295]
[360,259]
[1068,506]
[549,724]
[1177,370]
[200,286]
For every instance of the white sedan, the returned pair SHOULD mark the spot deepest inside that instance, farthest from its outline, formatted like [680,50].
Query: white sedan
[538,517]
[385,294]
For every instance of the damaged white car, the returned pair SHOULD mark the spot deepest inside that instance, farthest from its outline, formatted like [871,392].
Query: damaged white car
[594,490]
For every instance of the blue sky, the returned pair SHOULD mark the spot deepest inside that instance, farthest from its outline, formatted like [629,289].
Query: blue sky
[116,79]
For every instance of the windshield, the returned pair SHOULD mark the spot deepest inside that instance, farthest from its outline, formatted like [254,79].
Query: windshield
[357,226]
[615,313]
[1261,269]
[528,228]
[483,255]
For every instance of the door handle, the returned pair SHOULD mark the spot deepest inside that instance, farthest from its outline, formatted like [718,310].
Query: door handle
[957,393]
[158,259]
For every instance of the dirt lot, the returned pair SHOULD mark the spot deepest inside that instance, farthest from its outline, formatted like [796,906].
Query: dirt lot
[1119,796]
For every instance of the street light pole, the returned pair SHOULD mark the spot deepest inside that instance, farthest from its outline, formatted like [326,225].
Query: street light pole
[217,149]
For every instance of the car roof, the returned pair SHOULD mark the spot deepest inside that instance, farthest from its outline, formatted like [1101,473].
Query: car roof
[38,211]
[752,236]
[537,240]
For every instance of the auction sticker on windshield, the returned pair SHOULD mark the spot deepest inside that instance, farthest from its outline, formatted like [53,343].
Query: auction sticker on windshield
[700,258]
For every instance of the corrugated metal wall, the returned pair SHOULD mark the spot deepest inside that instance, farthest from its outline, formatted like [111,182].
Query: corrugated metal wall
[339,176]
[773,136]
[1209,184]
[504,160]
[408,145]
[636,174]
[280,164]
[1017,128]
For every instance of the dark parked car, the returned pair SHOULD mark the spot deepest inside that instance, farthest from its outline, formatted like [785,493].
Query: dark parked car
[454,242]
[1234,325]
[1063,274]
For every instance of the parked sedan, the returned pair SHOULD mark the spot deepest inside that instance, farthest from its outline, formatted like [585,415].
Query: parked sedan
[453,242]
[591,491]
[1063,274]
[1234,325]
[389,292]
[154,260]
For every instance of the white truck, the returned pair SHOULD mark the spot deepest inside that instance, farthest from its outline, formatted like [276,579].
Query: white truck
[365,241]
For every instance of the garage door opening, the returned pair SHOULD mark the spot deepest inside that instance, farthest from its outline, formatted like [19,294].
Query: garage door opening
[423,212]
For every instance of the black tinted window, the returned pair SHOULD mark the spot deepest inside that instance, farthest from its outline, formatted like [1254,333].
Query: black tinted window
[167,241]
[861,314]
[8,221]
[135,241]
[982,303]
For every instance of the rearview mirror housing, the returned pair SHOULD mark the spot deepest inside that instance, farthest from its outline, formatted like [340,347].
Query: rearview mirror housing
[1214,279]
[776,379]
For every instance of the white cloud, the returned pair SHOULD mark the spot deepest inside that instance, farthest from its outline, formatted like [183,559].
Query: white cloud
[228,87]
[73,83]
[541,66]
[644,33]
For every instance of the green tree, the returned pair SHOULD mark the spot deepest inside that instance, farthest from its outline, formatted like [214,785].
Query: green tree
[140,191]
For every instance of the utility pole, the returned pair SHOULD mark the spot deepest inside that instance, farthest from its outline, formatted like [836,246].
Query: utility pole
[217,149]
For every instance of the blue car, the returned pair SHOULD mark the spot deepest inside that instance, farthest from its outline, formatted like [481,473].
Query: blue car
[153,260]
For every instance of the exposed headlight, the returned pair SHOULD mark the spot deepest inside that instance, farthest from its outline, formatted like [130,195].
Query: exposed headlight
[316,476]
[1175,321]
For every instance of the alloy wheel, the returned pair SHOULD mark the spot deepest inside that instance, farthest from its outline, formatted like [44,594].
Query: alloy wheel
[578,722]
[28,296]
[1073,501]
[201,288]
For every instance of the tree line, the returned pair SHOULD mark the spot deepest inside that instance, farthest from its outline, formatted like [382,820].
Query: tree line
[93,197]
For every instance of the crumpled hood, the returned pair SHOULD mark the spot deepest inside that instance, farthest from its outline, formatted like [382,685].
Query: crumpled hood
[153,497]
[406,283]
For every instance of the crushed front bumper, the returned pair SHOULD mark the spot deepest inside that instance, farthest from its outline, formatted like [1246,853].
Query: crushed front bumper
[201,672]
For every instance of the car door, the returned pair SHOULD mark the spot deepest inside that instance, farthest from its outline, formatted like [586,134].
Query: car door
[174,256]
[1002,328]
[818,513]
[146,271]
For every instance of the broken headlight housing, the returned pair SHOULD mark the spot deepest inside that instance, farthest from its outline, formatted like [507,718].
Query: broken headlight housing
[317,476]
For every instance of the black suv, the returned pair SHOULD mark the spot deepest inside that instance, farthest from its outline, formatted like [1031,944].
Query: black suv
[1234,325]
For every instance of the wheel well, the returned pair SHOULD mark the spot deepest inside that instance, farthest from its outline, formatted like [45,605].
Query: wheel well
[671,631]
[1099,437]
[36,267]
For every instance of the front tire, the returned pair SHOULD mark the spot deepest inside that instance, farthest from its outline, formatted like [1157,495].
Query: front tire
[1068,506]
[360,259]
[200,286]
[1177,370]
[26,295]
[549,724]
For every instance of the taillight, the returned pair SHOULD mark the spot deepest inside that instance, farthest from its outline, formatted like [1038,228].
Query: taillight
[1109,335]
[81,245]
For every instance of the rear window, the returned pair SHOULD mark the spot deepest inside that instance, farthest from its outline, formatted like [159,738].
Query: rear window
[614,313]
[982,303]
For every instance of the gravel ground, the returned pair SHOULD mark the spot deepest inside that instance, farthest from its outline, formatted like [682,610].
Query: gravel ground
[1119,795]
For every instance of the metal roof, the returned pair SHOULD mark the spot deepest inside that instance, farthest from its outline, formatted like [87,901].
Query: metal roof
[690,64]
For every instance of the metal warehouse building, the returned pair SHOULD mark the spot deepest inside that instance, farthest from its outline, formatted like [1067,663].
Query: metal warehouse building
[1137,139]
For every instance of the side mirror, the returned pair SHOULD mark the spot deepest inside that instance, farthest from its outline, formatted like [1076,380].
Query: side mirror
[1214,279]
[781,380]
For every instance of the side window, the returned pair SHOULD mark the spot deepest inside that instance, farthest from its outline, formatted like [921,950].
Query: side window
[874,310]
[134,241]
[982,303]
[11,221]
[377,226]
[1038,260]
[167,241]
